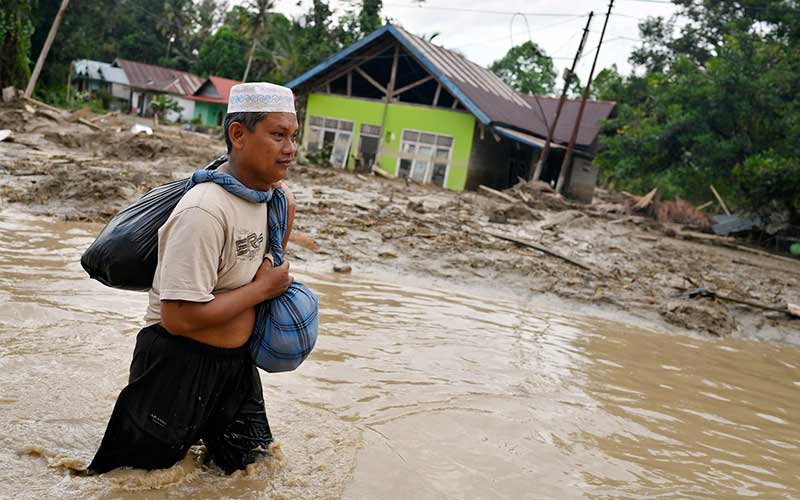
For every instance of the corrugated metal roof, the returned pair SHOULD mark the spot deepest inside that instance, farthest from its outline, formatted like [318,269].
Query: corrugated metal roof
[480,91]
[150,77]
[472,78]
[221,90]
[96,70]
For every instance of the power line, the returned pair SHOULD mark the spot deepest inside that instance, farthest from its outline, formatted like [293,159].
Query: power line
[484,11]
[763,7]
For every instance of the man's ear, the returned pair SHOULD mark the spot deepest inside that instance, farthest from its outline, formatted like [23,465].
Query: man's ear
[237,133]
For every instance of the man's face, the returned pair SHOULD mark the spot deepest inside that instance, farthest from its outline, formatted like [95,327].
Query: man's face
[268,151]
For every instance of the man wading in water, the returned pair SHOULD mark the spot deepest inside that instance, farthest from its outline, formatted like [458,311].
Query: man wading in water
[192,377]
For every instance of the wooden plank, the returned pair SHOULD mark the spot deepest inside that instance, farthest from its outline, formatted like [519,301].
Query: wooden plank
[436,95]
[371,80]
[43,105]
[84,121]
[720,200]
[412,85]
[497,193]
[646,200]
[393,78]
[349,84]
[382,173]
[107,115]
[455,104]
[705,205]
[540,248]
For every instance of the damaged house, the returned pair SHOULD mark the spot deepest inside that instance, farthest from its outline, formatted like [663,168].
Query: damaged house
[414,109]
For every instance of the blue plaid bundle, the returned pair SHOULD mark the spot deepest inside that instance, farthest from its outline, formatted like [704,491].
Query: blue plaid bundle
[286,327]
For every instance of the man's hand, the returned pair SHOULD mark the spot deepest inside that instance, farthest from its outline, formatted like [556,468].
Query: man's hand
[272,281]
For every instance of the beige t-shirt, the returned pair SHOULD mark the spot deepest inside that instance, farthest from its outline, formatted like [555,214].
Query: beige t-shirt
[213,241]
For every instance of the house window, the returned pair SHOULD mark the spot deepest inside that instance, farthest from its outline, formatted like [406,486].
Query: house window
[330,133]
[424,156]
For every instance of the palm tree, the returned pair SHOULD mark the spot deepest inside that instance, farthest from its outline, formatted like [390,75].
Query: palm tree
[258,21]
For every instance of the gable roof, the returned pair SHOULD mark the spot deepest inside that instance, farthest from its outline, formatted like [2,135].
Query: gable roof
[151,77]
[96,70]
[215,90]
[481,92]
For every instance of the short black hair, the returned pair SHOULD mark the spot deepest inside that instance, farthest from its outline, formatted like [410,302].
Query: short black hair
[248,121]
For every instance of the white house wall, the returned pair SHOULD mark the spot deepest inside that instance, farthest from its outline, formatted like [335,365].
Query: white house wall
[120,91]
[187,110]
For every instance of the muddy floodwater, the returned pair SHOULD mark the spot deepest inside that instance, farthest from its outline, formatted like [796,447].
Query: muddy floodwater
[415,390]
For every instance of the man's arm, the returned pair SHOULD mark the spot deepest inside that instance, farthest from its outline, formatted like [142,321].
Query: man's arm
[291,206]
[180,317]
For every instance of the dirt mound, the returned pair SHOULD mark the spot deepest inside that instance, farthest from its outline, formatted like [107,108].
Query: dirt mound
[706,315]
[139,147]
[72,141]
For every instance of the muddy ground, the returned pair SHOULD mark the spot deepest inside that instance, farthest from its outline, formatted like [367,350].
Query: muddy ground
[55,166]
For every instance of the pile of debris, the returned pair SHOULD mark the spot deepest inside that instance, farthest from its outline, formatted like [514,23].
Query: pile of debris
[85,166]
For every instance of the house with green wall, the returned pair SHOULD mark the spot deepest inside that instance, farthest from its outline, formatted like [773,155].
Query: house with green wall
[413,109]
[211,100]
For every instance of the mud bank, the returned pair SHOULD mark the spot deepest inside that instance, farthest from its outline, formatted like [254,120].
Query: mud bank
[369,223]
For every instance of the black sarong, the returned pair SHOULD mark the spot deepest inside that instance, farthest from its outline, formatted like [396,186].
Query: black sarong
[181,391]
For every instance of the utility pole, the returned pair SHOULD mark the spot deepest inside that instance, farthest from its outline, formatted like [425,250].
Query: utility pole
[567,81]
[562,176]
[43,54]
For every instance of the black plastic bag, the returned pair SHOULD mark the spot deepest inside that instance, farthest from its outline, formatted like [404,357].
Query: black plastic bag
[125,253]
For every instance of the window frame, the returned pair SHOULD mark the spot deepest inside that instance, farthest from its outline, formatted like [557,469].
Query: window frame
[432,161]
[324,128]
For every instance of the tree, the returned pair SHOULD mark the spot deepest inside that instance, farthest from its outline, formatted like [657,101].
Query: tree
[257,25]
[527,69]
[16,28]
[369,19]
[717,103]
[222,54]
[161,104]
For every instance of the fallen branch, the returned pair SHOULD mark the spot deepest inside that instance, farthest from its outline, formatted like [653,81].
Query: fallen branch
[730,242]
[538,247]
[497,193]
[790,309]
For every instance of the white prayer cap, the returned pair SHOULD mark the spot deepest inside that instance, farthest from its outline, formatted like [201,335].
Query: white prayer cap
[258,97]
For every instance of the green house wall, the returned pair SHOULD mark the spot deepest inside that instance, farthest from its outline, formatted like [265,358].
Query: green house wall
[207,111]
[457,124]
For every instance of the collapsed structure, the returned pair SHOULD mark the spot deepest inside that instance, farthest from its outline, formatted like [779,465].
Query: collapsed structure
[417,110]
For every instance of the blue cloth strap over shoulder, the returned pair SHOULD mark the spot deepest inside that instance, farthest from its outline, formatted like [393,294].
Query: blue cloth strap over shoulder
[286,327]
[230,183]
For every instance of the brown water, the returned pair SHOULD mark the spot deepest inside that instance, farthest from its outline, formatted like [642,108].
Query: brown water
[413,392]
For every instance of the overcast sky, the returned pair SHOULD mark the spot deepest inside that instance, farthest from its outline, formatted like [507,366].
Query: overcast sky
[486,36]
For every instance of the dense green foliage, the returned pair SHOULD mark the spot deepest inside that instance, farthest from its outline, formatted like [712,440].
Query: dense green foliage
[716,101]
[15,35]
[204,36]
[527,69]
